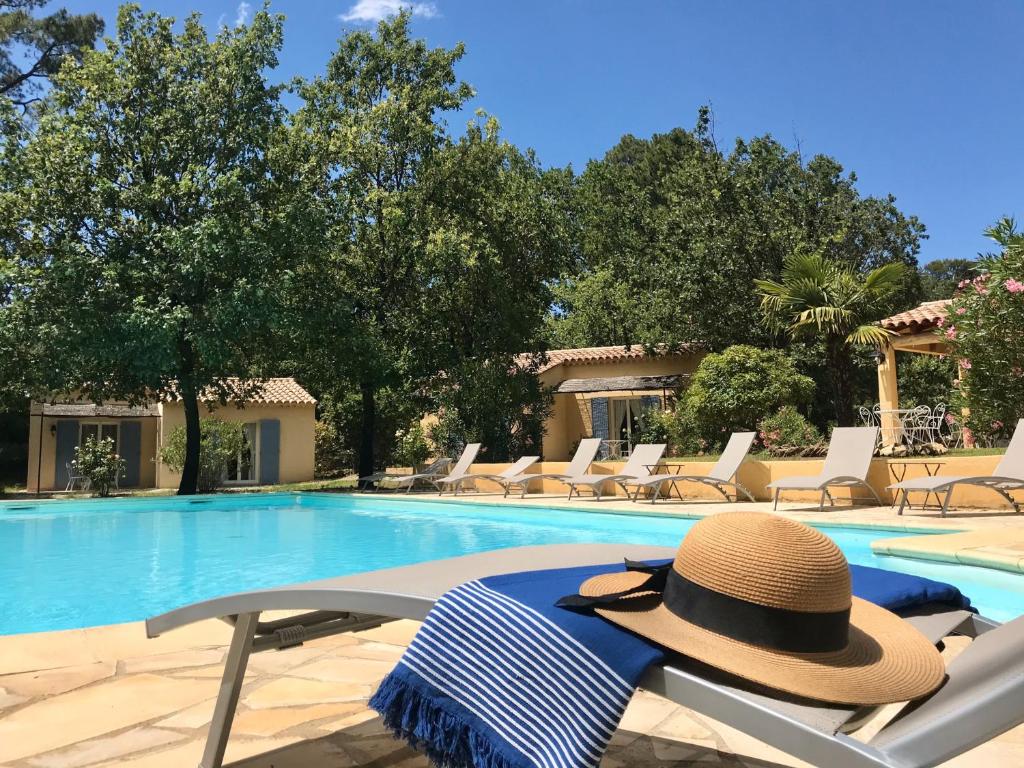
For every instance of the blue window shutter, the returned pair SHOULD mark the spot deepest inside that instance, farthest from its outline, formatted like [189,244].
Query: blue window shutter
[131,452]
[599,417]
[67,441]
[270,451]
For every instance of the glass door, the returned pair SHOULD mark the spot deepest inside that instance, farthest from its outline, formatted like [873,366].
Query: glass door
[243,468]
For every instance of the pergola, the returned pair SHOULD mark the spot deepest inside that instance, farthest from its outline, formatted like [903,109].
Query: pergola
[915,332]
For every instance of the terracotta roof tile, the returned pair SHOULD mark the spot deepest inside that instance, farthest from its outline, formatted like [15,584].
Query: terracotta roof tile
[588,355]
[920,318]
[283,391]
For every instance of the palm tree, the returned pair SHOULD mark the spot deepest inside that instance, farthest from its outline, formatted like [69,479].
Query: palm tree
[825,299]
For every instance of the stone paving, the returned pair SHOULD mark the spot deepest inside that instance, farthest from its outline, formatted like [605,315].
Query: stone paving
[107,696]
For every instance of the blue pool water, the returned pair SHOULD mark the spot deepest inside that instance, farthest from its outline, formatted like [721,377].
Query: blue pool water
[77,564]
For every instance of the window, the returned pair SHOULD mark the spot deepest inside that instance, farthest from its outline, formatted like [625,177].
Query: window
[624,415]
[98,431]
[243,468]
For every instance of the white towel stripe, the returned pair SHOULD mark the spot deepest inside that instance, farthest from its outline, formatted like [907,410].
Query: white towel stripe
[551,699]
[573,694]
[474,673]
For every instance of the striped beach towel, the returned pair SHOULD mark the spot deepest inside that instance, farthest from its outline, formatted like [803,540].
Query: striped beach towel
[499,677]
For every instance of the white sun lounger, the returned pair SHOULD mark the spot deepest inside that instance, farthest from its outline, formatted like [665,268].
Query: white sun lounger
[586,451]
[980,699]
[461,467]
[846,465]
[637,467]
[722,474]
[455,482]
[437,468]
[1008,476]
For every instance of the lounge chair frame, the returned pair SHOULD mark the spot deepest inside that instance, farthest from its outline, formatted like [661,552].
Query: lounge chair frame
[1008,476]
[721,476]
[455,483]
[980,699]
[437,468]
[634,469]
[462,466]
[844,467]
[585,454]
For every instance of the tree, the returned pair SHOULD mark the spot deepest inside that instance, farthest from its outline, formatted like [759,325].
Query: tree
[371,123]
[941,278]
[436,270]
[732,391]
[984,329]
[44,42]
[674,229]
[161,226]
[822,298]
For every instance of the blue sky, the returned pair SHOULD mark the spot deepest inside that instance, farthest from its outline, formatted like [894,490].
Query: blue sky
[922,98]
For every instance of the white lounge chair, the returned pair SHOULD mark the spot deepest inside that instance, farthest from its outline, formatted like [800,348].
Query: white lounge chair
[437,468]
[722,474]
[846,465]
[1008,476]
[980,699]
[637,467]
[455,482]
[585,454]
[461,467]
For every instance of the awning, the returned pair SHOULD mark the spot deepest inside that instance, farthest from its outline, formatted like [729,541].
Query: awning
[622,384]
[91,410]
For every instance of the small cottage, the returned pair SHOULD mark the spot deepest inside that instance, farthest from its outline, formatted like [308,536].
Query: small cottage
[279,424]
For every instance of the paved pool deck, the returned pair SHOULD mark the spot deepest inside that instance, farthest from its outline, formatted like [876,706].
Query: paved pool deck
[107,696]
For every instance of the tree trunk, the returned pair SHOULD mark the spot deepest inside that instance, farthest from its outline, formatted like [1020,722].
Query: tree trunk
[840,367]
[189,484]
[367,430]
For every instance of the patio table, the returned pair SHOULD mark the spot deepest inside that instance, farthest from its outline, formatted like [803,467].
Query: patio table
[898,469]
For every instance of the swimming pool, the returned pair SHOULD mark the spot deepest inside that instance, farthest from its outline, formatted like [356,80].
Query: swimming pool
[70,564]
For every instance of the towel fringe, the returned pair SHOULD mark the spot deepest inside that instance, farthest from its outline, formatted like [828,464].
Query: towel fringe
[448,739]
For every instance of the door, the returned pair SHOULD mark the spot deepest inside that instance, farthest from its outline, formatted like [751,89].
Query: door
[624,423]
[243,468]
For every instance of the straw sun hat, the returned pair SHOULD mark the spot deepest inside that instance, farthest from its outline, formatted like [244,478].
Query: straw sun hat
[768,599]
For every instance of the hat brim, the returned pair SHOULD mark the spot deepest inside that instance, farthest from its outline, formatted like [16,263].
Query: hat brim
[886,660]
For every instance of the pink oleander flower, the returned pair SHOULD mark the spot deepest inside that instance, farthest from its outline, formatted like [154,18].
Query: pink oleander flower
[1017,371]
[965,363]
[940,322]
[951,332]
[950,418]
[1014,286]
[997,425]
[956,383]
[961,310]
[962,283]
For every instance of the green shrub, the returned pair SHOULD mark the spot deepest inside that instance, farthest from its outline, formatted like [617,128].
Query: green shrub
[787,432]
[734,390]
[925,380]
[220,443]
[332,458]
[411,446]
[96,461]
[448,434]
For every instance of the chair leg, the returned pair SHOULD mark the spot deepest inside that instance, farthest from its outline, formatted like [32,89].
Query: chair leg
[903,501]
[775,506]
[821,502]
[945,501]
[230,687]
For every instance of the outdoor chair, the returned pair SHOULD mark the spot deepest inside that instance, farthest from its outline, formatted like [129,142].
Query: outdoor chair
[586,451]
[980,699]
[455,482]
[436,468]
[75,477]
[637,467]
[721,476]
[846,465]
[1008,476]
[461,467]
